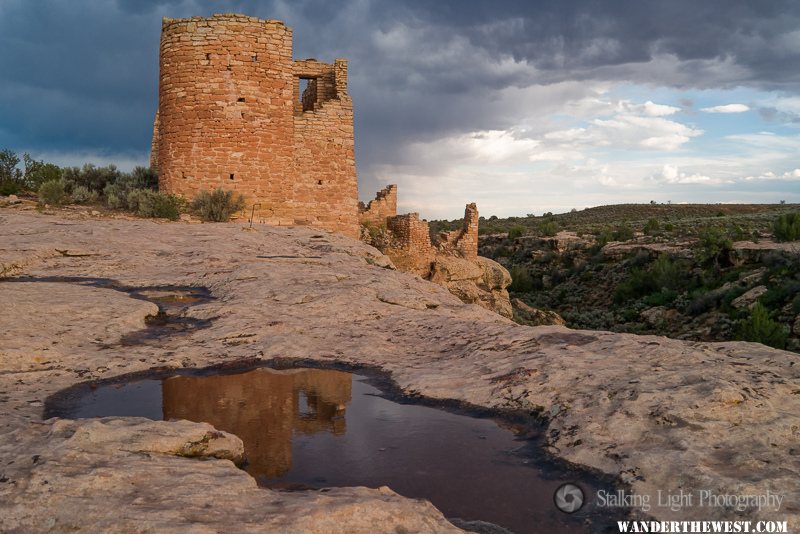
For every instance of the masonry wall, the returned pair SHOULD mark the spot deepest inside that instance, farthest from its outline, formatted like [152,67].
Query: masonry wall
[325,164]
[411,233]
[465,240]
[379,209]
[230,115]
[154,145]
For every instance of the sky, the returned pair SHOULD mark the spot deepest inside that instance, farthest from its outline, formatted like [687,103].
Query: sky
[523,106]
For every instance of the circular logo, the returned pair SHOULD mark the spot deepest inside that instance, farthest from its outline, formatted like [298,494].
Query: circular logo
[568,498]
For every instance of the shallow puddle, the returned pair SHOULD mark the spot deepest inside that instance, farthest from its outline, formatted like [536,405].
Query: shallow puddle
[173,303]
[316,428]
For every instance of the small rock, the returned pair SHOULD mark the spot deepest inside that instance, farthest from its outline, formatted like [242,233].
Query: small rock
[749,298]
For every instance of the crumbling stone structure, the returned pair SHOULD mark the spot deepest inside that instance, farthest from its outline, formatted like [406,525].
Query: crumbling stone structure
[449,259]
[464,241]
[410,234]
[231,114]
[378,210]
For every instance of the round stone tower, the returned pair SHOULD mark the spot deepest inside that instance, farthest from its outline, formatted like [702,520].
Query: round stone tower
[231,114]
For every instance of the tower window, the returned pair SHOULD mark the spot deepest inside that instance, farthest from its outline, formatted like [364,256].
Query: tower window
[231,176]
[307,93]
[240,99]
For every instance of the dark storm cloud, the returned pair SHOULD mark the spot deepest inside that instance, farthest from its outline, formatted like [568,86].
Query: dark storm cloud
[82,75]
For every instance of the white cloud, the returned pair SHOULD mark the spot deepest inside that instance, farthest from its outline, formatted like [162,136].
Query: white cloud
[767,140]
[648,108]
[727,108]
[769,175]
[497,146]
[649,133]
[671,174]
[553,147]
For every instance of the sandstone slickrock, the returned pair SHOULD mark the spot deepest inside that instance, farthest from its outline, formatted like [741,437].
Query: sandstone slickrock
[132,475]
[475,281]
[749,298]
[658,413]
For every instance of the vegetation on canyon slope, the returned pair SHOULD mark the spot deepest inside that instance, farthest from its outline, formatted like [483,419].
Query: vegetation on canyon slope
[700,272]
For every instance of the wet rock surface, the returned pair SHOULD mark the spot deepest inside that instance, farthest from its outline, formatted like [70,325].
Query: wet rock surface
[658,413]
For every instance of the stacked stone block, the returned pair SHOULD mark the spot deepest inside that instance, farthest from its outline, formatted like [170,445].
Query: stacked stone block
[384,205]
[231,115]
[465,240]
[410,233]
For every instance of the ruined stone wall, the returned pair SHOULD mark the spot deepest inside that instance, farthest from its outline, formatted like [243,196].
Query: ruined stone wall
[464,242]
[410,233]
[231,115]
[325,149]
[378,210]
[450,259]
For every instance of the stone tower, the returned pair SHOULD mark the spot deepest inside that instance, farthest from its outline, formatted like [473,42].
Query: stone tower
[231,114]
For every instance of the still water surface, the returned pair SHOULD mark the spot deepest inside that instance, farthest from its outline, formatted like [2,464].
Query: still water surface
[316,428]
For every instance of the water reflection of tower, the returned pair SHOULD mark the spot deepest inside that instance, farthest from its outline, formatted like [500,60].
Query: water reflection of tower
[263,407]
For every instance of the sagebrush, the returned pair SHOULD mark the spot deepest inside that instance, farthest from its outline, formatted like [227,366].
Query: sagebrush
[218,205]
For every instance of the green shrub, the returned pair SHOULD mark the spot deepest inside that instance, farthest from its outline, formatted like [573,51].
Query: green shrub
[703,301]
[549,228]
[10,176]
[779,295]
[667,273]
[116,197]
[601,240]
[217,206]
[92,177]
[9,187]
[623,232]
[140,178]
[638,284]
[521,280]
[651,227]
[502,252]
[664,275]
[516,232]
[661,298]
[52,192]
[81,195]
[715,247]
[761,329]
[39,172]
[134,198]
[796,304]
[157,205]
[787,227]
